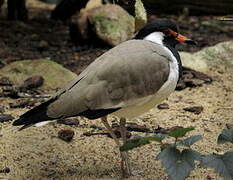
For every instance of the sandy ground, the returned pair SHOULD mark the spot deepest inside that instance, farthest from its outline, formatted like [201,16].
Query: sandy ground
[37,153]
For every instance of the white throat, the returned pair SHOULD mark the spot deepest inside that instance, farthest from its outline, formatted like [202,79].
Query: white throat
[156,37]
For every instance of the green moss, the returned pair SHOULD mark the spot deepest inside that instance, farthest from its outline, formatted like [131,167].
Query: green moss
[54,74]
[106,25]
[112,24]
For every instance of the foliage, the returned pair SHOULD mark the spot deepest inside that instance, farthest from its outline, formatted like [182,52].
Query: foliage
[225,136]
[179,132]
[140,141]
[178,163]
[222,164]
[179,158]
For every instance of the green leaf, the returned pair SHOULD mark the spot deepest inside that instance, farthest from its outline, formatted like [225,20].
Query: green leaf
[222,164]
[225,136]
[178,165]
[140,141]
[180,132]
[190,141]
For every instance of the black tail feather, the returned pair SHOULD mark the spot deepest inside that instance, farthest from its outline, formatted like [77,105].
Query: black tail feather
[35,115]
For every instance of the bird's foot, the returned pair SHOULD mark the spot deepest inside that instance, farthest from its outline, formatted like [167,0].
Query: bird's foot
[125,165]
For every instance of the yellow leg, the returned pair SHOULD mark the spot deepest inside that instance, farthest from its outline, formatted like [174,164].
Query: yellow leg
[105,122]
[124,155]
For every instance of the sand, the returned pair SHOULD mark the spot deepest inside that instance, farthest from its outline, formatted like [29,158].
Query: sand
[37,153]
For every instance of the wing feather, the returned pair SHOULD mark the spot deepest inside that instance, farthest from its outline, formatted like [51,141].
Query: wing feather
[119,78]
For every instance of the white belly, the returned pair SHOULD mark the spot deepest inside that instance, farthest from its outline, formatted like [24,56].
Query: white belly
[145,104]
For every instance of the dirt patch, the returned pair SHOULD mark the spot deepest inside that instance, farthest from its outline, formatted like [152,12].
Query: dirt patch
[38,153]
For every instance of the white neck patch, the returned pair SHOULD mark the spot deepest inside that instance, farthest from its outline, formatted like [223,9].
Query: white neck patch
[156,37]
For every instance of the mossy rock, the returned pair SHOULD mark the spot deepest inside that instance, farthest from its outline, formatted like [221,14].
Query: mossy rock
[220,54]
[55,76]
[112,24]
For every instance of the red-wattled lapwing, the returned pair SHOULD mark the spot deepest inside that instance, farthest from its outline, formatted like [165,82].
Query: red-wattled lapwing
[126,81]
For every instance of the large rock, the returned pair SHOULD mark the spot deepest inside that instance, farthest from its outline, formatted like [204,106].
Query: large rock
[140,15]
[1,3]
[55,76]
[220,54]
[112,24]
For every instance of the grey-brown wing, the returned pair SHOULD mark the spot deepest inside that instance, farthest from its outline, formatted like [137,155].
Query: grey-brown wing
[128,72]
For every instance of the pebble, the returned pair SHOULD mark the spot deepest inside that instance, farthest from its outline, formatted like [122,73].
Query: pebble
[5,118]
[33,82]
[229,126]
[194,109]
[66,135]
[5,170]
[163,106]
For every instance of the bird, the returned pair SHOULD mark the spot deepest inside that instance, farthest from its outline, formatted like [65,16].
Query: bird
[126,81]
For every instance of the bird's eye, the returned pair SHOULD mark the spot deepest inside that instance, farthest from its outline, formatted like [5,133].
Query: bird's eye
[167,33]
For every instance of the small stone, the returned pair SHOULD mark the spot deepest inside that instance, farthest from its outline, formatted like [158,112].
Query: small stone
[229,126]
[163,106]
[194,109]
[5,118]
[180,85]
[192,78]
[5,170]
[66,135]
[70,121]
[33,82]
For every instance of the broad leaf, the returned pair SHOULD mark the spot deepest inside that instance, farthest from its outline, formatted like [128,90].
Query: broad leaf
[140,141]
[222,164]
[180,132]
[225,136]
[190,141]
[178,165]
[159,137]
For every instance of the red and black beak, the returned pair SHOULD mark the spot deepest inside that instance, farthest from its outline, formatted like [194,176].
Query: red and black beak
[180,38]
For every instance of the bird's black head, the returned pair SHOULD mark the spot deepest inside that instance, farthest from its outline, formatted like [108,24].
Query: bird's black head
[162,31]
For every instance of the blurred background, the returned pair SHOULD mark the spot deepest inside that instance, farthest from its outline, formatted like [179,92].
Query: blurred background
[61,31]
